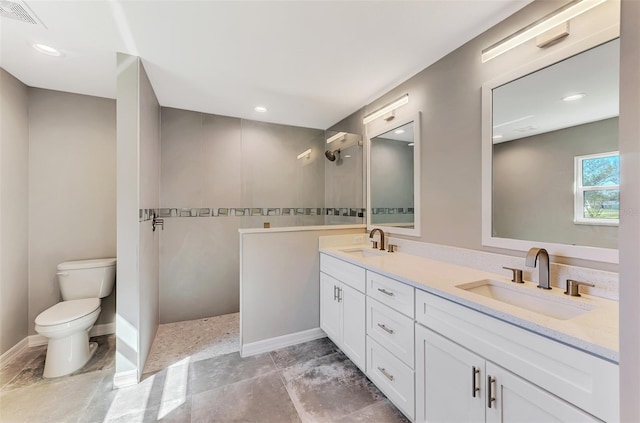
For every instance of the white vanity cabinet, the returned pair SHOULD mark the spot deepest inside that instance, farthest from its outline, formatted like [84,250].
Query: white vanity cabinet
[454,384]
[440,361]
[343,307]
[534,378]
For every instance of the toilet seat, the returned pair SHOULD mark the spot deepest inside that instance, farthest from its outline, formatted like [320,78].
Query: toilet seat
[67,311]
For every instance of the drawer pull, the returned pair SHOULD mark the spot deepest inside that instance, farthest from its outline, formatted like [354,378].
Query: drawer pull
[490,390]
[385,328]
[384,291]
[474,386]
[385,373]
[339,295]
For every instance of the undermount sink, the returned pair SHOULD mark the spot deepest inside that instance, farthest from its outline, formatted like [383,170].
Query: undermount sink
[363,252]
[524,297]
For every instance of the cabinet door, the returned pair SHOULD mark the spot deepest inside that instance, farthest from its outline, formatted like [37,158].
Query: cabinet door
[330,308]
[353,325]
[446,375]
[517,400]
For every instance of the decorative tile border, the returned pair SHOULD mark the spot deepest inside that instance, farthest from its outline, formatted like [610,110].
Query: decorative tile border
[392,210]
[147,214]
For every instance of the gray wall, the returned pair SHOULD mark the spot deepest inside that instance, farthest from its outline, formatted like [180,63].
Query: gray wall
[281,296]
[138,142]
[72,190]
[533,181]
[14,159]
[149,199]
[449,95]
[211,161]
[630,213]
[200,167]
[345,180]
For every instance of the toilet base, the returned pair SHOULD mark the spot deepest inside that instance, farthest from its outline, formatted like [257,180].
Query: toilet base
[68,354]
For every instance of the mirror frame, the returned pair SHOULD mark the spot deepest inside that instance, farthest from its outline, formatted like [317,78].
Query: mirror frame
[377,128]
[607,255]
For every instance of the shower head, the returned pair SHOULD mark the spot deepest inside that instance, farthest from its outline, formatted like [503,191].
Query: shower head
[332,155]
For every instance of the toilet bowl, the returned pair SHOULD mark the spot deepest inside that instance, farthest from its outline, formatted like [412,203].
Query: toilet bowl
[67,324]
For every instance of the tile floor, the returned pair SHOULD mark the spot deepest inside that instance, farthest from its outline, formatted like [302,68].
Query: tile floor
[194,373]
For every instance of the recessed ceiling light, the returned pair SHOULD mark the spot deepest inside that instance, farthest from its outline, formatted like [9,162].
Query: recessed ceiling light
[497,137]
[411,144]
[347,156]
[399,131]
[45,49]
[574,97]
[260,109]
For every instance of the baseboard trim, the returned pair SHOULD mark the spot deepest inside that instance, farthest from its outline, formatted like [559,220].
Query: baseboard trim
[97,330]
[13,351]
[103,329]
[123,379]
[283,341]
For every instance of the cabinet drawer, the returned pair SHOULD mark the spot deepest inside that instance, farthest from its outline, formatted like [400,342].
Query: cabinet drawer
[391,292]
[392,330]
[392,376]
[348,273]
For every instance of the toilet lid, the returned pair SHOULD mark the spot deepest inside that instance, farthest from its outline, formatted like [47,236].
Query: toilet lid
[67,311]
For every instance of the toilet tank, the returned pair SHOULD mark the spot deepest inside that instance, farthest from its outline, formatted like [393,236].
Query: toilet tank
[80,279]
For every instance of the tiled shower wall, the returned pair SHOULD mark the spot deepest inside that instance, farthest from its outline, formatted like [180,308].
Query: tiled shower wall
[219,174]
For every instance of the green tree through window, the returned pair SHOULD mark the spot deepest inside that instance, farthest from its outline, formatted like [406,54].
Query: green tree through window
[597,188]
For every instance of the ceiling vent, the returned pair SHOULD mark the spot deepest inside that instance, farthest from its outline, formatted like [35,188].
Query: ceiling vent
[20,11]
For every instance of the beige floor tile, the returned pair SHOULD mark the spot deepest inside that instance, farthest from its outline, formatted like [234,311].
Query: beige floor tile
[259,400]
[57,401]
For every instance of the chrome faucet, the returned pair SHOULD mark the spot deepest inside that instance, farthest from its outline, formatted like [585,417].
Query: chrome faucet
[542,257]
[381,237]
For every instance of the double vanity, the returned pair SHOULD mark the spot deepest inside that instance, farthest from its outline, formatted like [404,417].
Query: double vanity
[451,343]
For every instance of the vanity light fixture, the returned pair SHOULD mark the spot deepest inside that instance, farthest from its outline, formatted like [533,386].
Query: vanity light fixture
[574,97]
[386,109]
[347,156]
[306,154]
[411,144]
[339,136]
[260,109]
[45,49]
[552,20]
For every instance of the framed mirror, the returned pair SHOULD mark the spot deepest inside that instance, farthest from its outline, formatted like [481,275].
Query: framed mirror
[551,174]
[393,176]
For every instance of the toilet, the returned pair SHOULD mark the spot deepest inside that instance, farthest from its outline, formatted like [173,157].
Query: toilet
[67,324]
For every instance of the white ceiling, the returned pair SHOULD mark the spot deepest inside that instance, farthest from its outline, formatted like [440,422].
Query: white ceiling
[533,104]
[311,63]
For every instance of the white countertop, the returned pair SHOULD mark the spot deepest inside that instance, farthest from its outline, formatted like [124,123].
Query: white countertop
[595,331]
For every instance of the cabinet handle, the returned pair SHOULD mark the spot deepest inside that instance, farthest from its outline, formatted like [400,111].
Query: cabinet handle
[385,373]
[339,295]
[335,293]
[384,291]
[474,387]
[385,328]
[490,390]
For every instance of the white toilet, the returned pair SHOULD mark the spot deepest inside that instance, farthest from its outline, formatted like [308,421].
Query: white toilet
[67,324]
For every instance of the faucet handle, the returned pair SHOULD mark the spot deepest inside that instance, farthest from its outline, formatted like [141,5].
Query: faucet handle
[392,248]
[517,274]
[375,244]
[573,287]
